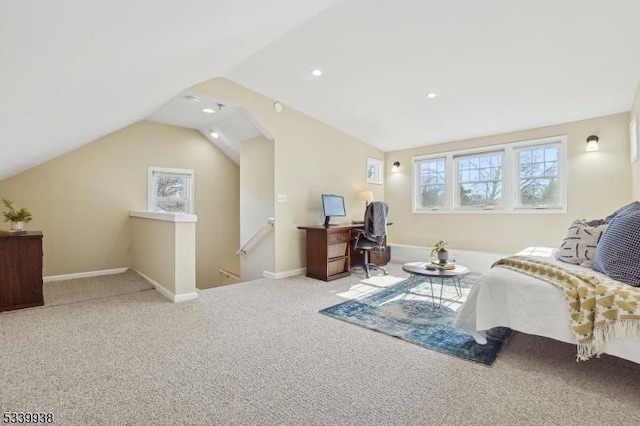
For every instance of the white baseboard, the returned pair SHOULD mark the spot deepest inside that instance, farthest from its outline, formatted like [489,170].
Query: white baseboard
[477,261]
[285,274]
[175,298]
[83,275]
[184,297]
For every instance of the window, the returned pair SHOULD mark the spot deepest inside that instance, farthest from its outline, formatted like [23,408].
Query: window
[170,190]
[538,176]
[431,183]
[523,177]
[479,180]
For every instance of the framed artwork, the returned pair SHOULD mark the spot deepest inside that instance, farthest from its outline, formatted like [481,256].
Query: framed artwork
[375,171]
[633,139]
[170,190]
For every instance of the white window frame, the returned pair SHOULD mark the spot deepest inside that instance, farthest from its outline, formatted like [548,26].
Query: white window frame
[186,173]
[417,198]
[510,179]
[561,177]
[456,179]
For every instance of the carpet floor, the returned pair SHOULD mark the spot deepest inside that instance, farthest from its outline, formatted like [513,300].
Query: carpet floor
[81,289]
[259,353]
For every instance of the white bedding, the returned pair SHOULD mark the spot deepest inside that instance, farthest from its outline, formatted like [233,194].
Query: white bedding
[502,297]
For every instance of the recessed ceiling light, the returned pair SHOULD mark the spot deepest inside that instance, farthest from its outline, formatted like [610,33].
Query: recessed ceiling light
[214,134]
[316,72]
[431,95]
[191,98]
[209,110]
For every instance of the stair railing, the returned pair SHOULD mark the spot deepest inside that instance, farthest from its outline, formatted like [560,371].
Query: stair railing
[243,250]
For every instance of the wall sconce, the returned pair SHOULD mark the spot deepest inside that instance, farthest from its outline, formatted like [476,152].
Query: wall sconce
[366,196]
[396,167]
[592,143]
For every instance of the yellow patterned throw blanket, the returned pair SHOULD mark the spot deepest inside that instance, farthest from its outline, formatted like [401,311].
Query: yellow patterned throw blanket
[601,309]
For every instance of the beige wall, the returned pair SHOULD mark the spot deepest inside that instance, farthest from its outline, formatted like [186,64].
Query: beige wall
[155,250]
[311,158]
[165,252]
[635,111]
[598,183]
[81,200]
[257,204]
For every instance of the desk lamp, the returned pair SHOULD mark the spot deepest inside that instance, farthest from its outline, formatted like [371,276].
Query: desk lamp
[367,197]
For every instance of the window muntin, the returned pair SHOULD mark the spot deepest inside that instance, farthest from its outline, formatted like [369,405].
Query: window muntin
[479,180]
[171,190]
[538,173]
[431,183]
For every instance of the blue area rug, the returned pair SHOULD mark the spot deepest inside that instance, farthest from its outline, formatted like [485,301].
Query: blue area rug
[419,322]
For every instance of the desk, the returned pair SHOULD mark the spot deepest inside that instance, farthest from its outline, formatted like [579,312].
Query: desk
[330,254]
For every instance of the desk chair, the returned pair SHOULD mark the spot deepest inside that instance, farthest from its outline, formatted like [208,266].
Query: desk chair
[371,237]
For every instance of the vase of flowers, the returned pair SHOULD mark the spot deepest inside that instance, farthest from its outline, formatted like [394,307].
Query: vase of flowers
[17,217]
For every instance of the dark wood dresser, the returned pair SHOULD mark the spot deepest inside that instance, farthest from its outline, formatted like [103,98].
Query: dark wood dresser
[20,270]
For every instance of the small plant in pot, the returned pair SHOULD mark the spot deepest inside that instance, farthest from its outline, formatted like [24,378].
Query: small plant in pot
[17,217]
[440,252]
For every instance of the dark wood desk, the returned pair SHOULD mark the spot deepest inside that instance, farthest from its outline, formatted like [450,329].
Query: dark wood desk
[20,270]
[330,252]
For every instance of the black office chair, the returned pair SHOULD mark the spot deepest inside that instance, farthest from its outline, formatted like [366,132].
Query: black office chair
[371,238]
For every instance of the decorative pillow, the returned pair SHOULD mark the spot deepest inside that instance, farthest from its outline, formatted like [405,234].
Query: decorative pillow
[579,244]
[629,208]
[618,252]
[595,222]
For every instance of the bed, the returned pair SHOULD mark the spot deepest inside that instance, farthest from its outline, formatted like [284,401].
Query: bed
[504,297]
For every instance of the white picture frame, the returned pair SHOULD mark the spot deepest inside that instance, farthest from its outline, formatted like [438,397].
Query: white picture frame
[633,139]
[170,190]
[374,171]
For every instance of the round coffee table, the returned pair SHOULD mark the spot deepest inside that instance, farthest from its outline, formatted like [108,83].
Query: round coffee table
[417,269]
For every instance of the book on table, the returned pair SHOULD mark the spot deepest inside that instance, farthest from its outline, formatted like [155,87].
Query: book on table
[437,265]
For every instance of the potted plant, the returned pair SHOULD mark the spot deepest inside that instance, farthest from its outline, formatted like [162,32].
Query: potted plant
[440,251]
[17,217]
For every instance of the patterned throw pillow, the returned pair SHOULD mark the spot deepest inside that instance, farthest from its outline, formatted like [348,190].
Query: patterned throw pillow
[629,208]
[618,252]
[579,244]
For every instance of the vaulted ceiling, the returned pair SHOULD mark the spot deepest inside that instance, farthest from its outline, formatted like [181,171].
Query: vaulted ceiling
[73,71]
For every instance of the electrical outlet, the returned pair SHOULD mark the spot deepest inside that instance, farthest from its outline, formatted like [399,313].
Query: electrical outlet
[282,198]
[129,250]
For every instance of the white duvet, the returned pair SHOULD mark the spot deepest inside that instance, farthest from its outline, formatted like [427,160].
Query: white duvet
[502,297]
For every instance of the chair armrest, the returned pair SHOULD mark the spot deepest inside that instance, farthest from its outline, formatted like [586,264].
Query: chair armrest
[355,235]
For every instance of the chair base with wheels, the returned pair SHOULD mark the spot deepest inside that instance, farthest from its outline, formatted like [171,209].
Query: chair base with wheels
[366,246]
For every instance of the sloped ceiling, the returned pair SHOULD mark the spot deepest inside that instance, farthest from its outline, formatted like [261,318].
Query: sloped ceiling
[227,126]
[74,71]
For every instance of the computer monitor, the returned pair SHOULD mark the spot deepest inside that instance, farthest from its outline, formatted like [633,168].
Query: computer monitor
[332,205]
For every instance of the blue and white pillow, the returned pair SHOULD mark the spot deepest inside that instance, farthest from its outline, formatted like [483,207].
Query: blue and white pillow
[618,252]
[629,208]
[579,244]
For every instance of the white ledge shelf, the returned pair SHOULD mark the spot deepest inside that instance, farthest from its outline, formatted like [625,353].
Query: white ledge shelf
[167,217]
